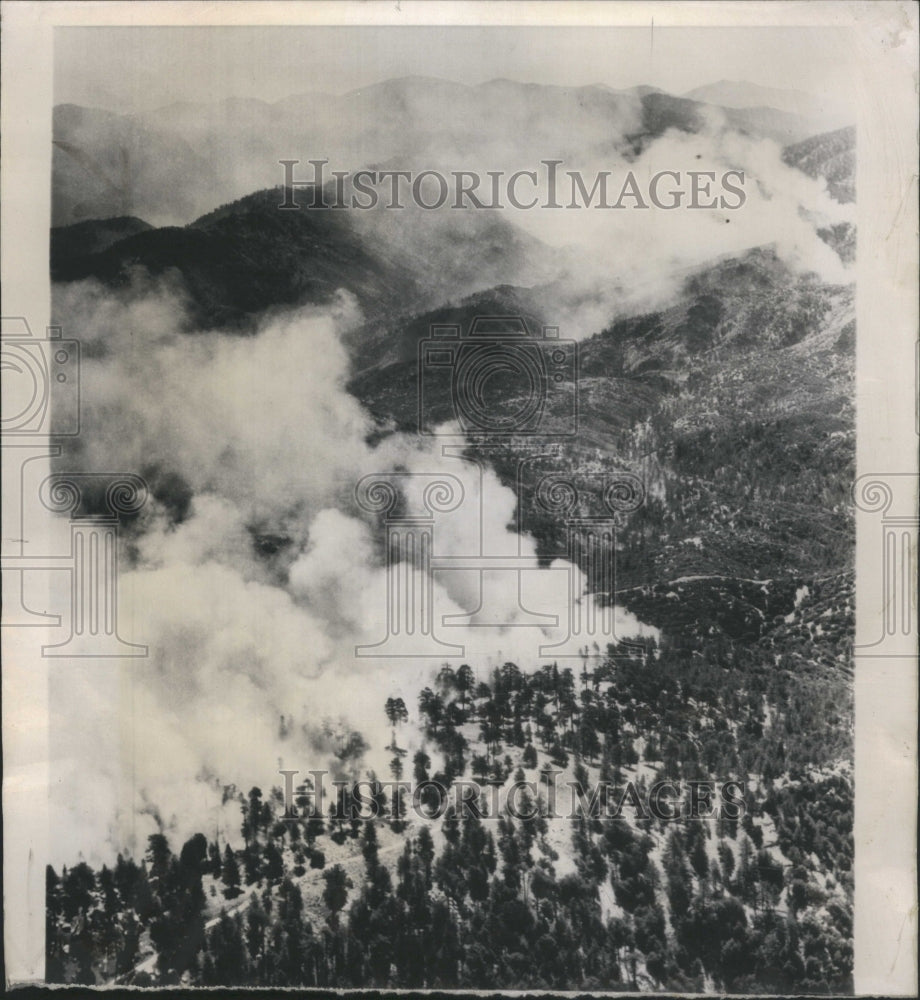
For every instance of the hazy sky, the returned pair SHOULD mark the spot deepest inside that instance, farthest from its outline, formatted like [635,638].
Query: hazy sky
[127,69]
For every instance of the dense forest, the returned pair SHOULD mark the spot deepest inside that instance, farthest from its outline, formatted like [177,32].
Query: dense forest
[469,899]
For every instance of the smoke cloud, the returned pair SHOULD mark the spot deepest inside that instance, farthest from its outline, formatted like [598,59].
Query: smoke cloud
[620,262]
[252,661]
[253,573]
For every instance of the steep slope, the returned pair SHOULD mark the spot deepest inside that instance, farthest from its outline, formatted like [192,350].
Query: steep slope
[734,404]
[239,261]
[70,243]
[751,444]
[831,155]
[248,256]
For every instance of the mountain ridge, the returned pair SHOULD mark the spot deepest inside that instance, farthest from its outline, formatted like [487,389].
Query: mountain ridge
[215,153]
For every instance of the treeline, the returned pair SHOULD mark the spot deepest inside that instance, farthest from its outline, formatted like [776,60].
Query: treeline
[763,904]
[710,708]
[487,911]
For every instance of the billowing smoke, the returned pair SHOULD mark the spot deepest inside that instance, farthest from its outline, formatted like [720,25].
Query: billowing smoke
[590,264]
[254,573]
[628,260]
[252,661]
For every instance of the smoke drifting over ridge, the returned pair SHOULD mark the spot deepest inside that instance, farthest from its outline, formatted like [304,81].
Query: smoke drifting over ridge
[646,253]
[185,160]
[251,662]
[254,574]
[590,264]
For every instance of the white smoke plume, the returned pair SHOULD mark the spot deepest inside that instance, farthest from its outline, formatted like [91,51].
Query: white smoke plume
[251,653]
[252,660]
[592,264]
[629,260]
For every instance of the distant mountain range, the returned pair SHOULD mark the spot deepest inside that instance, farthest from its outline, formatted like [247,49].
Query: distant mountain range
[176,163]
[741,94]
[733,397]
[247,257]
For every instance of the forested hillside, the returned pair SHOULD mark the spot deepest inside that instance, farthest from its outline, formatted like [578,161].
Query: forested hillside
[607,897]
[256,365]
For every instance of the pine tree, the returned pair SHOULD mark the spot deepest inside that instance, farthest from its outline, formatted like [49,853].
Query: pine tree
[335,895]
[230,874]
[426,852]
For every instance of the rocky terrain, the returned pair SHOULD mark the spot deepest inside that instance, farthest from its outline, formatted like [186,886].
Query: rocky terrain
[730,397]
